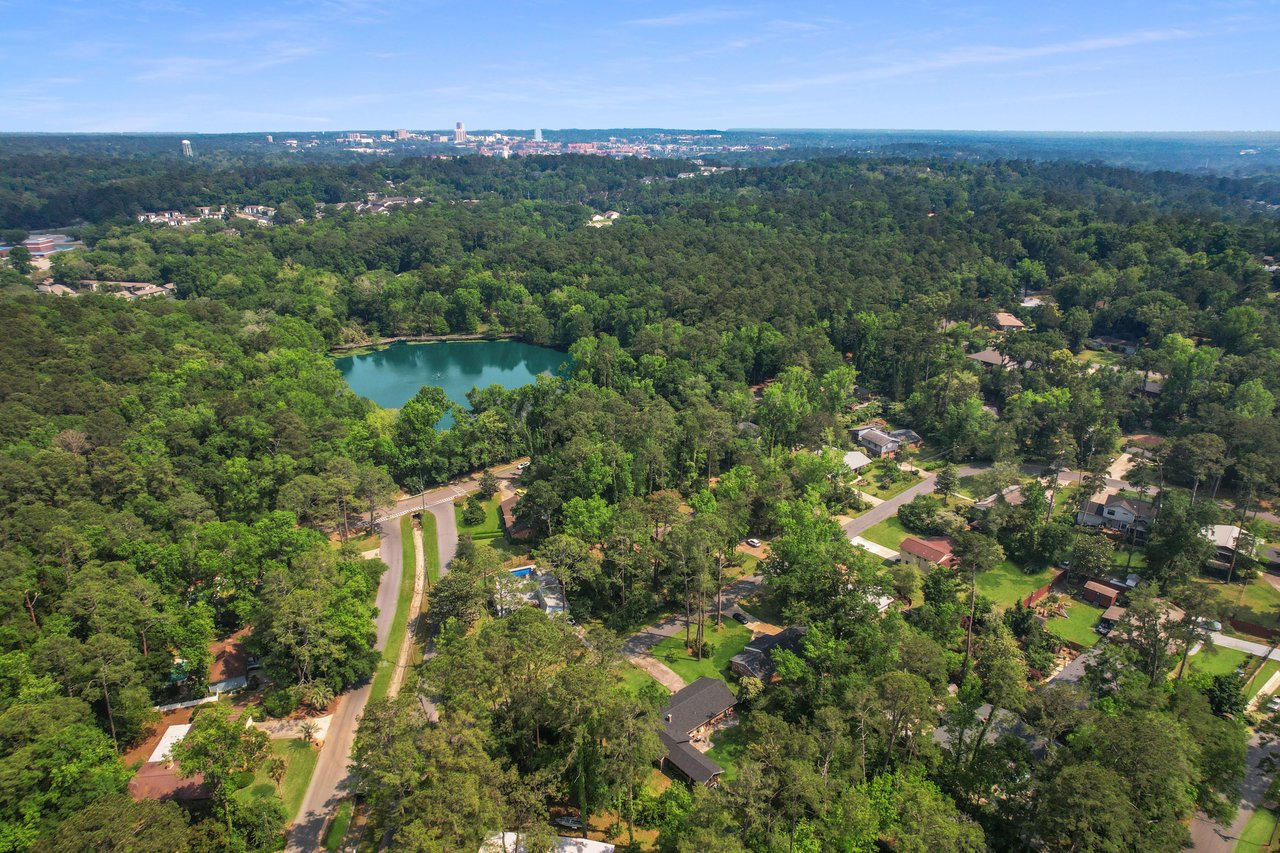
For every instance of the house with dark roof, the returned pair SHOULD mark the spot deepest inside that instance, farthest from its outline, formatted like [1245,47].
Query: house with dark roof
[756,660]
[1012,496]
[877,442]
[689,719]
[992,358]
[1119,514]
[927,552]
[906,437]
[1005,723]
[515,529]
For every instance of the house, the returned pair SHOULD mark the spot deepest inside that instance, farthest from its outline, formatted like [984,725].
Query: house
[690,718]
[513,842]
[878,442]
[1119,514]
[1006,322]
[515,528]
[856,460]
[229,670]
[159,778]
[906,438]
[1012,496]
[1114,344]
[991,358]
[756,660]
[1099,593]
[1004,723]
[1227,539]
[926,553]
[55,289]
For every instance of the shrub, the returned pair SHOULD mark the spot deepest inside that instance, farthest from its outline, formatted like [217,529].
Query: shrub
[473,515]
[280,702]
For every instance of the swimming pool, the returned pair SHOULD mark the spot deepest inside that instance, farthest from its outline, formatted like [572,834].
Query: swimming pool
[523,571]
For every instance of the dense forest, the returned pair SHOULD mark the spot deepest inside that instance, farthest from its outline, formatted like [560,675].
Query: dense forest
[176,470]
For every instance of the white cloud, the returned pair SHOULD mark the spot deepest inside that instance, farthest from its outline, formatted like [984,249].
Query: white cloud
[975,55]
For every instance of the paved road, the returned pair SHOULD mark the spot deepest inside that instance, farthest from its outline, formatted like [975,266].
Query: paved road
[1256,649]
[327,782]
[1209,837]
[325,789]
[888,509]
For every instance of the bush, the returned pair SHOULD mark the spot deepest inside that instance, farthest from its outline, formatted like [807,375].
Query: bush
[920,513]
[280,702]
[473,515]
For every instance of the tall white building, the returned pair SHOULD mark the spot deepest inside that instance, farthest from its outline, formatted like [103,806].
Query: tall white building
[459,133]
[537,135]
[186,148]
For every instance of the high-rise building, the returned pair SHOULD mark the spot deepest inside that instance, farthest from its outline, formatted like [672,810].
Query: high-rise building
[460,133]
[270,138]
[537,135]
[402,134]
[186,148]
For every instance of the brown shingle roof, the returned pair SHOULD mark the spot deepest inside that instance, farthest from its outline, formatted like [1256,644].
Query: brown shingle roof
[934,549]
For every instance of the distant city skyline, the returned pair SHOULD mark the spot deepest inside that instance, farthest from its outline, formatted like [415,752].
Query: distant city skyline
[329,65]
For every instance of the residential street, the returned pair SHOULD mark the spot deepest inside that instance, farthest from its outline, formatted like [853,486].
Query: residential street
[327,782]
[888,509]
[325,789]
[1209,837]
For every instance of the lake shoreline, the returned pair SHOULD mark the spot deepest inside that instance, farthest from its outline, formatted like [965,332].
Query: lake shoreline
[382,343]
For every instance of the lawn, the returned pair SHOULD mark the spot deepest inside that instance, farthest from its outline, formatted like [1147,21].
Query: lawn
[727,746]
[634,679]
[1257,834]
[300,760]
[490,528]
[399,622]
[1123,563]
[894,489]
[728,641]
[1264,675]
[1007,584]
[338,826]
[763,605]
[1256,601]
[1220,661]
[888,533]
[1078,624]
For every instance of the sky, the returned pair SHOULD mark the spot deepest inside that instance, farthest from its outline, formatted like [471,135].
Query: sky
[207,66]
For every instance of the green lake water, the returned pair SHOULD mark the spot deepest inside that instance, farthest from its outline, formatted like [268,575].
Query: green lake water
[391,376]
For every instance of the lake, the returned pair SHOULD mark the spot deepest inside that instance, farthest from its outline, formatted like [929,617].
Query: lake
[391,376]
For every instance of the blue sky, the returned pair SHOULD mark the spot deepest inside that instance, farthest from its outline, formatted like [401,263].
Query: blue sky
[231,65]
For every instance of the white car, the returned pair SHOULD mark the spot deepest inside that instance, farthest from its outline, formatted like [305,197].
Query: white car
[754,543]
[522,466]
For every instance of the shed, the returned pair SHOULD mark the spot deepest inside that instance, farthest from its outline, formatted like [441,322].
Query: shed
[1099,593]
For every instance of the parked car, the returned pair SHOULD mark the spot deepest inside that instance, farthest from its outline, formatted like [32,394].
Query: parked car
[1273,704]
[754,543]
[568,822]
[522,466]
[740,618]
[1211,625]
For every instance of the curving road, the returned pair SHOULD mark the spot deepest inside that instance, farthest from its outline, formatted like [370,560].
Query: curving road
[328,781]
[325,789]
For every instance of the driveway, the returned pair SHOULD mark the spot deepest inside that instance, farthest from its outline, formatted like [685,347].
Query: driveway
[1256,649]
[888,509]
[878,550]
[330,775]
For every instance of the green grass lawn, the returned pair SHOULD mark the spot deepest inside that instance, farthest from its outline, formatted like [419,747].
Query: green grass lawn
[1257,834]
[763,605]
[1124,564]
[300,761]
[338,826]
[894,489]
[1078,624]
[1220,661]
[727,746]
[1256,601]
[399,622]
[1007,584]
[1264,675]
[888,533]
[490,528]
[634,679]
[728,641]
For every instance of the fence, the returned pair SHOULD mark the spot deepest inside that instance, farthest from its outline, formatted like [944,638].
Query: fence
[1040,593]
